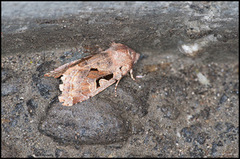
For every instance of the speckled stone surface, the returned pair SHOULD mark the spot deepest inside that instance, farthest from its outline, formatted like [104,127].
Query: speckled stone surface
[184,102]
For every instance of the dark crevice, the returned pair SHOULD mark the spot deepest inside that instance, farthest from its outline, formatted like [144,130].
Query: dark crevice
[107,77]
[93,69]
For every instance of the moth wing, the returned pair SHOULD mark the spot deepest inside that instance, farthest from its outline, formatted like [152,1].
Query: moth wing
[81,83]
[60,70]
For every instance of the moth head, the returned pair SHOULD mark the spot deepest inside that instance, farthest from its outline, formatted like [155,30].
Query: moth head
[118,46]
[135,56]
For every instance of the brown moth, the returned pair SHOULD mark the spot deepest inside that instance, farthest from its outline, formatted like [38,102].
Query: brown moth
[84,78]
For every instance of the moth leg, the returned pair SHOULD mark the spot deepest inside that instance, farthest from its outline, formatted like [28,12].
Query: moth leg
[131,74]
[116,87]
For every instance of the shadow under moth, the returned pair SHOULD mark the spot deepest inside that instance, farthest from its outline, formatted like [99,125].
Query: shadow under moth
[86,77]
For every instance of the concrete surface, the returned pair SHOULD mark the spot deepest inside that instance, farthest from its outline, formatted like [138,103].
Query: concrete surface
[184,103]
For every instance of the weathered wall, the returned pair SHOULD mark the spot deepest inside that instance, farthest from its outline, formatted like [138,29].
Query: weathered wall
[36,26]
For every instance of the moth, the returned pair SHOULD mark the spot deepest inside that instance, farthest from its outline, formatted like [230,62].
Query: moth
[86,77]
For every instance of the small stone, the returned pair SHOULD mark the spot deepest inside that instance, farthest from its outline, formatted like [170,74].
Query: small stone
[90,122]
[5,74]
[223,99]
[8,89]
[32,106]
[170,112]
[201,138]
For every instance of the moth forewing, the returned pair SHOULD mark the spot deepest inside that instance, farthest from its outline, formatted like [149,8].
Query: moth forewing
[84,78]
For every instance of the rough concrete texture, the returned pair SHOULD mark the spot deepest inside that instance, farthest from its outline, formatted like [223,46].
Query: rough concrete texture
[184,102]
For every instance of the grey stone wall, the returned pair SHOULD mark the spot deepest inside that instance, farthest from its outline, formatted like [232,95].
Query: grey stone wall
[36,26]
